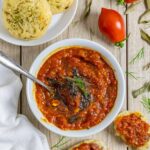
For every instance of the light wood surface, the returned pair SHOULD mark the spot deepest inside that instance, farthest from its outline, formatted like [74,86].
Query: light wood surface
[26,55]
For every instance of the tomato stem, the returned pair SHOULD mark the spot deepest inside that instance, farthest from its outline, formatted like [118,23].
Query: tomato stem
[121,43]
[120,2]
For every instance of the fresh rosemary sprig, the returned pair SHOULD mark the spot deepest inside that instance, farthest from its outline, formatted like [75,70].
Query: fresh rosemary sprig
[143,89]
[139,56]
[146,103]
[62,141]
[132,75]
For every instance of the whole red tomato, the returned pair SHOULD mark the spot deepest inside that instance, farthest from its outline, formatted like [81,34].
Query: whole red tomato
[130,1]
[122,2]
[112,25]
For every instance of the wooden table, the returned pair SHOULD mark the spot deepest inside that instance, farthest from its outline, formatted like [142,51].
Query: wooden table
[26,55]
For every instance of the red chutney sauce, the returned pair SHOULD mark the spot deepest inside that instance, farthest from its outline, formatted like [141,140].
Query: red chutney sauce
[84,88]
[88,146]
[134,130]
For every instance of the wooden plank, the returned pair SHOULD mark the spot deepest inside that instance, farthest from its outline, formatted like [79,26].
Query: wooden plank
[10,50]
[134,45]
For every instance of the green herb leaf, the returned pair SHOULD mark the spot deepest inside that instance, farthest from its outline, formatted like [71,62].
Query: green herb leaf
[146,103]
[132,7]
[145,36]
[139,56]
[143,89]
[143,19]
[146,67]
[132,75]
[62,141]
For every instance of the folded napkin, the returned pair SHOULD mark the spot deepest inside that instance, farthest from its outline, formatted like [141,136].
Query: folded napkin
[16,132]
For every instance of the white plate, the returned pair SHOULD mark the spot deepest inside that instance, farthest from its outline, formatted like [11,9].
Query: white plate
[59,23]
[107,56]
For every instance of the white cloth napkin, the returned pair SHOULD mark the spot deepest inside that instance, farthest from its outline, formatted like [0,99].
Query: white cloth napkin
[16,132]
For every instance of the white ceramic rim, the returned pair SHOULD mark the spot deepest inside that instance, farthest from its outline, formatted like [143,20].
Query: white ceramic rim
[36,43]
[108,57]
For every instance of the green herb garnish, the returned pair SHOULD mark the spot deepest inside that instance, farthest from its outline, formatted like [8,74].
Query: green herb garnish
[143,89]
[78,81]
[132,75]
[145,36]
[139,56]
[146,103]
[62,141]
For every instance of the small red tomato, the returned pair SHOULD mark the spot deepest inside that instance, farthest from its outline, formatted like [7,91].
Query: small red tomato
[130,1]
[112,25]
[123,2]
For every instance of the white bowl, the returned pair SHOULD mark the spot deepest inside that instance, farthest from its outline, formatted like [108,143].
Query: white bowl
[108,57]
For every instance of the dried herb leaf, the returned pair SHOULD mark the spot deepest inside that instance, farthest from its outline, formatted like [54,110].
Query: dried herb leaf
[146,103]
[139,56]
[144,17]
[132,7]
[146,67]
[143,89]
[145,36]
[147,4]
[87,9]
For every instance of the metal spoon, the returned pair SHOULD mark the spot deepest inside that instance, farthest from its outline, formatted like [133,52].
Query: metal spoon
[11,64]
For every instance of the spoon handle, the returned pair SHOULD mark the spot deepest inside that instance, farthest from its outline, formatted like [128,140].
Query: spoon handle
[11,64]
